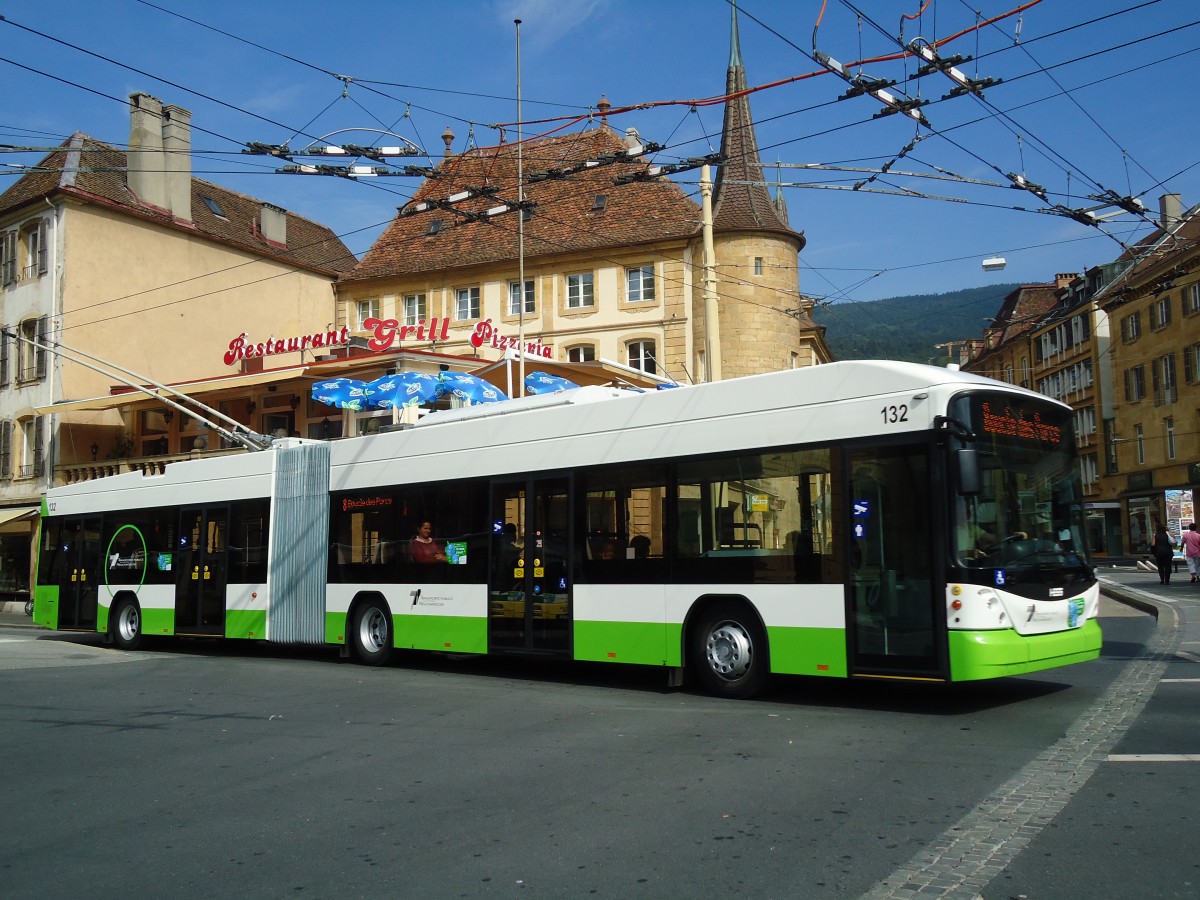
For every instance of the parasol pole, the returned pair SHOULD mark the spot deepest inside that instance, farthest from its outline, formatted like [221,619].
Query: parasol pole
[520,224]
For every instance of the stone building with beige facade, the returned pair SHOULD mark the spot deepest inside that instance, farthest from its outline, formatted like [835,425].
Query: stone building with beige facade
[1121,345]
[1154,307]
[124,256]
[613,258]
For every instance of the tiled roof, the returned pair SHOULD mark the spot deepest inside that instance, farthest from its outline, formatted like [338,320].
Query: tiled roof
[566,215]
[91,170]
[1157,250]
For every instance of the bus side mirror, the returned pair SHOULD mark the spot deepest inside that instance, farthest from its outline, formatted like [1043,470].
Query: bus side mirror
[968,471]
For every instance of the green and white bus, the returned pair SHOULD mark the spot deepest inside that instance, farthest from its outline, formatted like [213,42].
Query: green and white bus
[857,519]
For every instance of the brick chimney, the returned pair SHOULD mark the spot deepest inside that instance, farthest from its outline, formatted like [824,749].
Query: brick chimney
[177,158]
[1062,279]
[145,162]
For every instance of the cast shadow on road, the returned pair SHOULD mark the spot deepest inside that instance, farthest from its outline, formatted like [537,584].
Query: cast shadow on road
[793,691]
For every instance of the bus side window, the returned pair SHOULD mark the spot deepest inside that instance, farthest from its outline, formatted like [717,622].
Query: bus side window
[248,542]
[763,518]
[622,532]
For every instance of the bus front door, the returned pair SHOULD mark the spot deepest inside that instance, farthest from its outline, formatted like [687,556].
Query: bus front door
[895,624]
[201,571]
[529,586]
[78,572]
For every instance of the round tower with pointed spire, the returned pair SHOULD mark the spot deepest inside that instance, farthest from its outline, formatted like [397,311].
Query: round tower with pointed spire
[764,326]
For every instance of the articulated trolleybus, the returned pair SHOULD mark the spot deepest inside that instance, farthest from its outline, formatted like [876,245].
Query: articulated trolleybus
[857,519]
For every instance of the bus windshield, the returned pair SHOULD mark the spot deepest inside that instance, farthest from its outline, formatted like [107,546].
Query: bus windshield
[1024,531]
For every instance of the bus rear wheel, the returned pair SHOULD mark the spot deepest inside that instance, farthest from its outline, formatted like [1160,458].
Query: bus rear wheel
[729,651]
[127,625]
[371,633]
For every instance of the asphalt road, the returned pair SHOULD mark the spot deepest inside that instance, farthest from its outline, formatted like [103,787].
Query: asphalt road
[196,769]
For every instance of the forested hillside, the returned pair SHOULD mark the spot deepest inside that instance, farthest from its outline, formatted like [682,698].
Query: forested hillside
[908,328]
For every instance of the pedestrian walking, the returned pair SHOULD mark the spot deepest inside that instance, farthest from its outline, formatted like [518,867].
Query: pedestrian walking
[1191,551]
[1163,550]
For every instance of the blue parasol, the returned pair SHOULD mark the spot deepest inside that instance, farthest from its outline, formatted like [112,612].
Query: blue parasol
[541,383]
[471,388]
[343,393]
[402,389]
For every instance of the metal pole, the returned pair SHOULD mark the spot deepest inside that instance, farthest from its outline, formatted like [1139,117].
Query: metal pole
[520,223]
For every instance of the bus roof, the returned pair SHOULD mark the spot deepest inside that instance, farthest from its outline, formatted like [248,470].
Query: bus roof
[582,427]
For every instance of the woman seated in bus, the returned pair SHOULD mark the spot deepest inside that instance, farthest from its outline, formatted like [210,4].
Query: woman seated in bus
[423,548]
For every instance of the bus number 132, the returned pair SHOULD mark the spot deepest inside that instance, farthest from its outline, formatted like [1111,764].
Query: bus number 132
[894,414]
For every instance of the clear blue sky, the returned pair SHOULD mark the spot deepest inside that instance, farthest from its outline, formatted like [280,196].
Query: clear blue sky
[1089,100]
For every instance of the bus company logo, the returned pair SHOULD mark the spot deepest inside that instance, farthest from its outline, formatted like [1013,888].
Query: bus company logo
[424,600]
[1010,424]
[352,503]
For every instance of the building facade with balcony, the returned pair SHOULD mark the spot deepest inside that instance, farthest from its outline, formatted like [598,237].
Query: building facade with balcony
[1153,303]
[1072,362]
[1121,345]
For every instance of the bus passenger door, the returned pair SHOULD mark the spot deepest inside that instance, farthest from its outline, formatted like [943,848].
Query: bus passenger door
[895,618]
[78,571]
[201,571]
[529,583]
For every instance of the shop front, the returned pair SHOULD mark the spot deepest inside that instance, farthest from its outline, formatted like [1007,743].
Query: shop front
[1104,530]
[1147,507]
[18,525]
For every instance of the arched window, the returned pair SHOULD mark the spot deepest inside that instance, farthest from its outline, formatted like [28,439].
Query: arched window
[642,356]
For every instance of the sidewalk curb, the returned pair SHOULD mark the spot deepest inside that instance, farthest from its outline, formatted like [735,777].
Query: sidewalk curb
[1130,597]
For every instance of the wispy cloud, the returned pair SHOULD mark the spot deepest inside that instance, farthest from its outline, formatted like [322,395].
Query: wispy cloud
[546,22]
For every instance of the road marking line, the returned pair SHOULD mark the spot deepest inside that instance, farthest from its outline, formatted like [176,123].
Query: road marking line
[966,857]
[1186,654]
[1180,681]
[1154,757]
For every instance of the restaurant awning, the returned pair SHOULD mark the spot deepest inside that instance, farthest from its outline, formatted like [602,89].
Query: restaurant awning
[203,386]
[17,513]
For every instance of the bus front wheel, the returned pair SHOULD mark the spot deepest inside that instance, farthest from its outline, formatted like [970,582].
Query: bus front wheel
[127,625]
[729,651]
[371,633]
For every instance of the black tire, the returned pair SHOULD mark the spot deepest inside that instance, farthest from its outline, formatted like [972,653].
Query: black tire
[729,651]
[126,624]
[371,633]
[29,607]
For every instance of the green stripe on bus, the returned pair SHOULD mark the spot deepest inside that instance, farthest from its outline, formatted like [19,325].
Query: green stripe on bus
[335,628]
[45,605]
[808,651]
[641,643]
[976,655]
[158,621]
[246,623]
[455,634]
